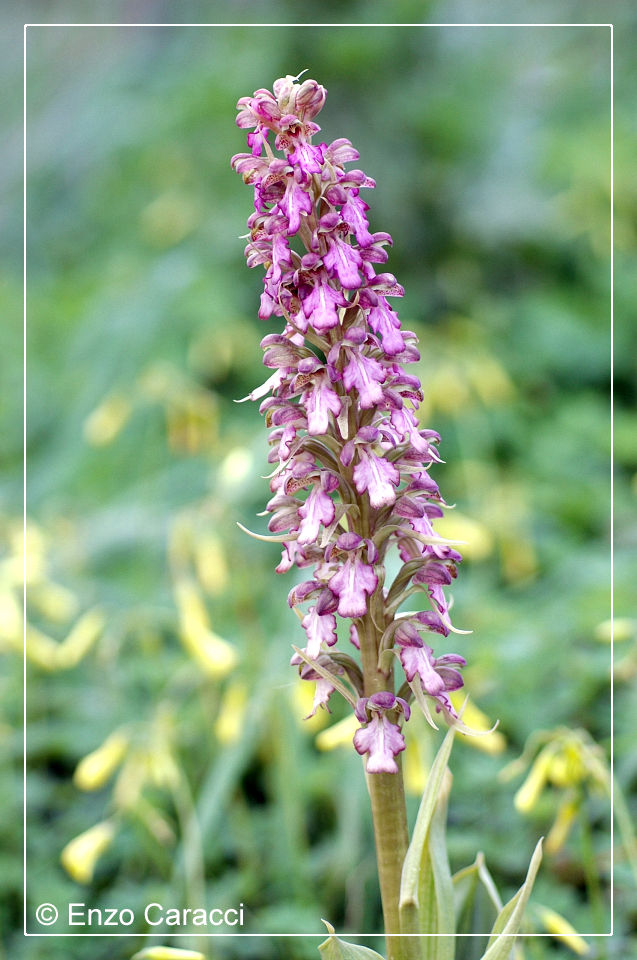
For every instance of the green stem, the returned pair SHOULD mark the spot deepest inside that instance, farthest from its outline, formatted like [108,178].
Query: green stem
[194,871]
[390,832]
[591,875]
[626,829]
[389,813]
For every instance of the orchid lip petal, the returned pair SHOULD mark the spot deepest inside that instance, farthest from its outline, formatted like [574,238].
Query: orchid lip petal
[381,740]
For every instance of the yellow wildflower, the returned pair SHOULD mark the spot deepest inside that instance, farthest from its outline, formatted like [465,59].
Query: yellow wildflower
[556,924]
[79,857]
[96,768]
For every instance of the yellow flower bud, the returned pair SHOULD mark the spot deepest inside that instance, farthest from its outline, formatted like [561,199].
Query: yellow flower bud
[35,545]
[192,422]
[414,772]
[81,638]
[619,629]
[215,655]
[235,468]
[556,924]
[79,857]
[162,767]
[192,609]
[103,425]
[477,538]
[529,793]
[53,601]
[96,768]
[493,743]
[338,735]
[229,722]
[210,563]
[445,388]
[168,953]
[566,767]
[558,834]
[41,649]
[302,696]
[519,561]
[10,617]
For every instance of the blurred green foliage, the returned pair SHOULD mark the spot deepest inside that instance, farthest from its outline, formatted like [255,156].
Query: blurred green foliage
[155,621]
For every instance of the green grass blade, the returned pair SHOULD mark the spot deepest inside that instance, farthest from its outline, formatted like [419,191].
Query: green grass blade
[509,920]
[418,899]
[436,880]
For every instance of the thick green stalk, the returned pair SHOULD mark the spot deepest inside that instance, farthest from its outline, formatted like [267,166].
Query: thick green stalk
[390,832]
[389,813]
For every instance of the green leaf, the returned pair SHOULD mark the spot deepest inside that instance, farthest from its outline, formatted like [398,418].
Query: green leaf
[509,920]
[426,891]
[435,894]
[336,949]
[477,905]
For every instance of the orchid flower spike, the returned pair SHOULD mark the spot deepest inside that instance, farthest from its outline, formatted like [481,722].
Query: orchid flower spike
[350,458]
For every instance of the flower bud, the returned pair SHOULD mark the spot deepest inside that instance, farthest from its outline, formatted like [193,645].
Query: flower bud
[563,930]
[168,953]
[93,771]
[338,735]
[79,857]
[230,720]
[283,89]
[80,639]
[529,793]
[215,655]
[309,99]
[558,834]
[107,420]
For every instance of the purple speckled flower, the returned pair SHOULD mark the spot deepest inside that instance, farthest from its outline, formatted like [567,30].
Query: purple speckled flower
[351,459]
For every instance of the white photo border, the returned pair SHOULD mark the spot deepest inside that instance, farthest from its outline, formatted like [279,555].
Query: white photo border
[321,936]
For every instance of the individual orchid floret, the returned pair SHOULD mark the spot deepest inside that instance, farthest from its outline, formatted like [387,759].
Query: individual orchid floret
[320,401]
[355,580]
[380,738]
[365,375]
[323,689]
[319,624]
[376,475]
[437,674]
[318,508]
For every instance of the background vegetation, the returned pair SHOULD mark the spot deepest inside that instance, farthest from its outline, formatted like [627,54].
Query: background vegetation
[159,635]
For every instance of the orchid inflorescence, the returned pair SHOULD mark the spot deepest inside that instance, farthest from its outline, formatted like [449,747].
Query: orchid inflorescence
[352,462]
